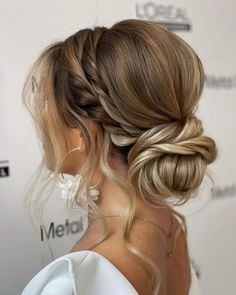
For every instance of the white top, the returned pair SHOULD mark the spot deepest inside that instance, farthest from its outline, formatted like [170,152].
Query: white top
[86,273]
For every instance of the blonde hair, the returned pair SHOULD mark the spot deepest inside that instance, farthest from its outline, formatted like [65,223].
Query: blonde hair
[141,83]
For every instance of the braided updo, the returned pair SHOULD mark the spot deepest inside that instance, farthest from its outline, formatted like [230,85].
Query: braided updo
[167,156]
[141,84]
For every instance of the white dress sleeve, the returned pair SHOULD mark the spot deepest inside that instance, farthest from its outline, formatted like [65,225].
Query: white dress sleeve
[86,273]
[60,285]
[80,273]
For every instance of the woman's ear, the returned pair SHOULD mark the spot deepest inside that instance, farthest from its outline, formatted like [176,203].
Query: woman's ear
[75,139]
[75,136]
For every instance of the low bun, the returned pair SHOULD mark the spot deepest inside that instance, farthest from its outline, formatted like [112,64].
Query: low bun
[170,160]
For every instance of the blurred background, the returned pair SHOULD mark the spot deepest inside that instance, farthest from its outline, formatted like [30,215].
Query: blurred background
[26,27]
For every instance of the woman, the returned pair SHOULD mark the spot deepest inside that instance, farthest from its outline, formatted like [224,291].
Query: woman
[115,108]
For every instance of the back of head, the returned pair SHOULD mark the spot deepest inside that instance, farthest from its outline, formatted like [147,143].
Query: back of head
[141,84]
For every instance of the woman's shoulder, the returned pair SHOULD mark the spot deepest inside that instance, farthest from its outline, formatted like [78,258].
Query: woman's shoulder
[81,272]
